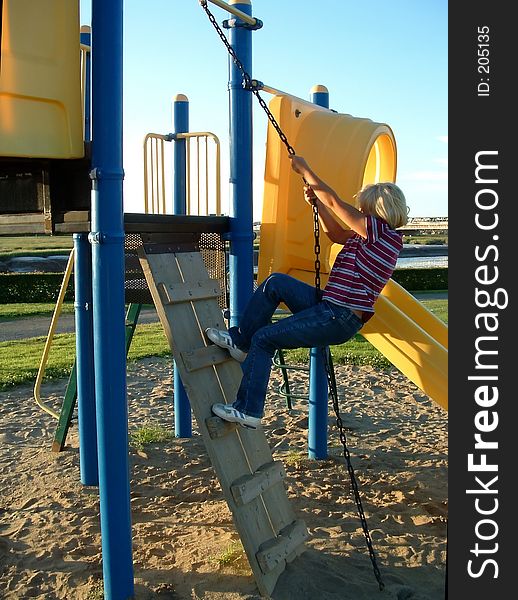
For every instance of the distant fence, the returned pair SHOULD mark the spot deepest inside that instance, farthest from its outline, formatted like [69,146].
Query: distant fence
[431,225]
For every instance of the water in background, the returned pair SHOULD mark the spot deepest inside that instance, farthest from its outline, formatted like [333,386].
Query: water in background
[417,256]
[421,262]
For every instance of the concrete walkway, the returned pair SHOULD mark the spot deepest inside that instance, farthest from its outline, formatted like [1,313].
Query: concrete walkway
[19,329]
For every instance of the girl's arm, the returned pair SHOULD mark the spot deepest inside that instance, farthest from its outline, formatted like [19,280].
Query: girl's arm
[350,215]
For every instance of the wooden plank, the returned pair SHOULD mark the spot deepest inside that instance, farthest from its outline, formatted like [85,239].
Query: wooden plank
[206,356]
[76,216]
[249,518]
[266,522]
[250,486]
[255,445]
[23,228]
[77,227]
[204,389]
[189,291]
[219,428]
[21,218]
[275,552]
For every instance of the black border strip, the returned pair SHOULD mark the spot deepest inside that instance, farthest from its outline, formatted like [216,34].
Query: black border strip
[479,529]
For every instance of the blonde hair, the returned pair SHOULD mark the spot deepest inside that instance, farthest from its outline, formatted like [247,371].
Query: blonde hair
[385,200]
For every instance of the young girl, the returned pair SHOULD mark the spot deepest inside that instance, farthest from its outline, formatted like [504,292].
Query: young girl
[362,268]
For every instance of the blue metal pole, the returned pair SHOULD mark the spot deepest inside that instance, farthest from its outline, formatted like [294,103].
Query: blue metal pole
[319,94]
[182,408]
[107,238]
[85,361]
[241,260]
[86,39]
[318,392]
[317,418]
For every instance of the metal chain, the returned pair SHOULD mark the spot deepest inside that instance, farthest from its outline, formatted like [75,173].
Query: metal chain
[246,77]
[350,469]
[316,231]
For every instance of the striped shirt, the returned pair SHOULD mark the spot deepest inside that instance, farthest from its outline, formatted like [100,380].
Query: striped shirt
[363,267]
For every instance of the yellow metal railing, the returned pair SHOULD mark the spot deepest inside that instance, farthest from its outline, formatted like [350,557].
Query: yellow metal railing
[50,337]
[85,50]
[201,179]
[154,173]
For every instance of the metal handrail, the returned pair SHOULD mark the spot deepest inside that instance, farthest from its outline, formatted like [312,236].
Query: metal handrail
[85,50]
[157,174]
[50,337]
[154,171]
[198,136]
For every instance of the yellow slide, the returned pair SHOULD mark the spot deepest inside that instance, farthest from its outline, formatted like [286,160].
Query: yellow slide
[413,339]
[41,112]
[347,152]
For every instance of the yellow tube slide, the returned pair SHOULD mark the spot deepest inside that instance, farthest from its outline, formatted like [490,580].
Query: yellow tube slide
[347,152]
[413,339]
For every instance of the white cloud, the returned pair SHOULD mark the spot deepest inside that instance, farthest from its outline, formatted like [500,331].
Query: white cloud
[442,138]
[441,161]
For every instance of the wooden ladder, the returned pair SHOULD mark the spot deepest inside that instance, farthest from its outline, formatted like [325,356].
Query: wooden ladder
[252,482]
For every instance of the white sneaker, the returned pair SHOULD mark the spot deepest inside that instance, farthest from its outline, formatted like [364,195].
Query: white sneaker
[228,413]
[222,339]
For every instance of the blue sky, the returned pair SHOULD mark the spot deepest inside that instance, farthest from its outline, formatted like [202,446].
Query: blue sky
[385,60]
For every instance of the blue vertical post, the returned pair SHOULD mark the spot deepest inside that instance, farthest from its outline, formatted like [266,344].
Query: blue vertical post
[182,408]
[241,260]
[85,361]
[319,94]
[317,418]
[86,39]
[318,390]
[107,239]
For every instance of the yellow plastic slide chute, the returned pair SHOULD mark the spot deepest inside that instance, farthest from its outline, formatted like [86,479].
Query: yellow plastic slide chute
[347,152]
[40,80]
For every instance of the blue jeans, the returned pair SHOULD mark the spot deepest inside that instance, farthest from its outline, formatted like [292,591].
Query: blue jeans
[313,323]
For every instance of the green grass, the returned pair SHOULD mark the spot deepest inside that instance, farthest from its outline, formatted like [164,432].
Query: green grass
[20,359]
[438,307]
[34,245]
[96,592]
[9,312]
[356,351]
[148,434]
[233,553]
[359,351]
[425,240]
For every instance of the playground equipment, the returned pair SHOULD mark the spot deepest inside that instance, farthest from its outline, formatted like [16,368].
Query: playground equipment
[174,233]
[50,337]
[201,182]
[348,153]
[186,301]
[40,108]
[103,342]
[44,159]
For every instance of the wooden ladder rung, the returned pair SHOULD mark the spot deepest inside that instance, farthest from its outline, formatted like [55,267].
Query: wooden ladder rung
[285,547]
[248,487]
[219,428]
[206,356]
[188,291]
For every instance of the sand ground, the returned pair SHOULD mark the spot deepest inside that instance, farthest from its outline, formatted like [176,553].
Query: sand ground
[185,545]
